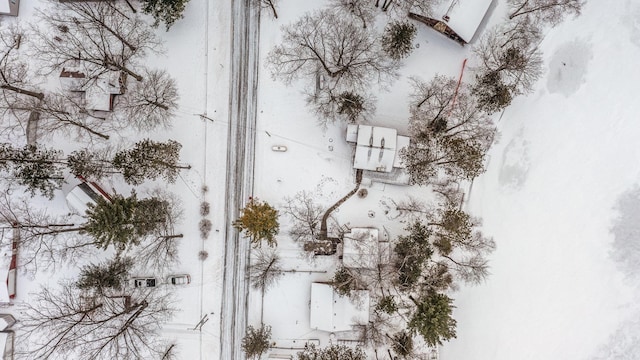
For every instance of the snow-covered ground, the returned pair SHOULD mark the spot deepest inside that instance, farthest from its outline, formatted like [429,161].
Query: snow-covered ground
[560,198]
[559,191]
[560,195]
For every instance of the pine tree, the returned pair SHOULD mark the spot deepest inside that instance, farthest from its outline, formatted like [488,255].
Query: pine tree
[397,40]
[149,160]
[402,344]
[112,275]
[351,105]
[259,221]
[90,164]
[491,92]
[166,11]
[432,318]
[412,252]
[124,221]
[257,341]
[36,169]
[343,282]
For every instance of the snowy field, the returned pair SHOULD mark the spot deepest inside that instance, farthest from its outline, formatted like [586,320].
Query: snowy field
[560,197]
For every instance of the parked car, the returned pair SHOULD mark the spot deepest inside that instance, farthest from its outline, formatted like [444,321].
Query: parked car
[182,279]
[281,148]
[144,282]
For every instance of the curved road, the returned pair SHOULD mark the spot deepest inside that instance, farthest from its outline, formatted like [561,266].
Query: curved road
[240,163]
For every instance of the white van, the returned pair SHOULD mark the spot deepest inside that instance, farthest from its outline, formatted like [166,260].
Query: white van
[84,195]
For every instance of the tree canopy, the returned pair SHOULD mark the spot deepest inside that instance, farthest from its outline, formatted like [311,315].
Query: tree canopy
[259,221]
[165,11]
[432,318]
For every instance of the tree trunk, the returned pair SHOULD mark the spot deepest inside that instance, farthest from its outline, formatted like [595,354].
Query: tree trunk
[37,95]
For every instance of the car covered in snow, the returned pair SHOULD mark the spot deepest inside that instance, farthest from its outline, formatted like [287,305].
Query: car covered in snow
[181,279]
[142,282]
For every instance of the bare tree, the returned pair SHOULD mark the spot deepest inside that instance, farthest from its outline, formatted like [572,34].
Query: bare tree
[324,43]
[305,215]
[46,240]
[348,106]
[458,240]
[67,323]
[98,37]
[546,11]
[265,270]
[149,103]
[402,8]
[362,10]
[66,113]
[509,59]
[450,135]
[268,4]
[14,71]
[160,249]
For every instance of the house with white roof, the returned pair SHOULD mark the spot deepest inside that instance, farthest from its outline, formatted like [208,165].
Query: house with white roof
[333,312]
[98,93]
[377,148]
[7,336]
[457,19]
[8,275]
[9,7]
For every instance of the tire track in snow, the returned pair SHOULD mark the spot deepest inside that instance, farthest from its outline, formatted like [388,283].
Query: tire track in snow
[239,177]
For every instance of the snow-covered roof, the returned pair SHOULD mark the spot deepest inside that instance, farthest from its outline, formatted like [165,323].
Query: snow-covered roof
[360,248]
[4,6]
[83,195]
[6,345]
[375,147]
[6,321]
[464,16]
[333,312]
[98,94]
[352,133]
[72,79]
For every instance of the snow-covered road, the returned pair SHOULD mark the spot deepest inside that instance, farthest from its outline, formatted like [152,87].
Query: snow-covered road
[240,164]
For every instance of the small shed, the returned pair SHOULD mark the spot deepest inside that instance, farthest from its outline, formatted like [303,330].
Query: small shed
[333,312]
[457,19]
[360,248]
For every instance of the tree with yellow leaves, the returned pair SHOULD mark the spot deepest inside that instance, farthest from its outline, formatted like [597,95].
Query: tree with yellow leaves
[259,221]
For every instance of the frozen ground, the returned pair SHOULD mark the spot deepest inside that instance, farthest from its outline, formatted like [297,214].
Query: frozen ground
[561,198]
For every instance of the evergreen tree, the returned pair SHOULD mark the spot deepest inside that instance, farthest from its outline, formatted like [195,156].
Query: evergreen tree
[90,164]
[351,105]
[166,11]
[343,282]
[257,341]
[109,275]
[432,318]
[331,352]
[397,40]
[259,221]
[402,344]
[387,304]
[412,252]
[491,92]
[36,169]
[149,160]
[123,221]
